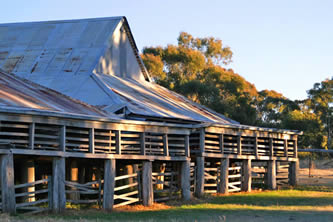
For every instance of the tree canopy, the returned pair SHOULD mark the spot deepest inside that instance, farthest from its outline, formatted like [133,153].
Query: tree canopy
[195,68]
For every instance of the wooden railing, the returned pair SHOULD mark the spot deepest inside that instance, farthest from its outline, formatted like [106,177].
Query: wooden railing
[50,137]
[127,190]
[84,193]
[33,201]
[166,186]
[235,144]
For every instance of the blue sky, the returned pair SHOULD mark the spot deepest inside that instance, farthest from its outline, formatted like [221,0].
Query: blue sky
[282,45]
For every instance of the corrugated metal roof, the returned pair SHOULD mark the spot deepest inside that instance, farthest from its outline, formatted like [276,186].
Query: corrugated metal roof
[62,55]
[18,93]
[149,99]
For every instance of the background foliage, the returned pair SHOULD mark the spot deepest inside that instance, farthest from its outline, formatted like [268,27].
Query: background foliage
[195,68]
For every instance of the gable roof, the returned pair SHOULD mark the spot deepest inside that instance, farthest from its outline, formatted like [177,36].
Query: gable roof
[20,94]
[95,61]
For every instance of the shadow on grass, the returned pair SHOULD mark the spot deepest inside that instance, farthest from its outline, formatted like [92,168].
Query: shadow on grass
[207,215]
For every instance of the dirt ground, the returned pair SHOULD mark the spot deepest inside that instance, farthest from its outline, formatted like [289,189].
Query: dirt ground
[320,174]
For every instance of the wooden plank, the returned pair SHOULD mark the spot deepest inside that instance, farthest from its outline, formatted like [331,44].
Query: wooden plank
[91,140]
[109,184]
[271,151]
[224,175]
[239,145]
[256,146]
[31,135]
[58,195]
[202,140]
[187,145]
[165,145]
[7,184]
[271,174]
[221,141]
[295,148]
[147,185]
[31,184]
[185,180]
[62,138]
[118,141]
[246,179]
[293,173]
[200,176]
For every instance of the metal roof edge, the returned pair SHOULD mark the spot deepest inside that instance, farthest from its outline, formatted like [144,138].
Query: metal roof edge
[65,20]
[254,128]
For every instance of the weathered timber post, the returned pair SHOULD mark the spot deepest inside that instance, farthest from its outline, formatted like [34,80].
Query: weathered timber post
[271,174]
[293,171]
[28,176]
[128,171]
[109,183]
[74,174]
[58,199]
[7,184]
[224,174]
[185,173]
[200,176]
[147,184]
[247,177]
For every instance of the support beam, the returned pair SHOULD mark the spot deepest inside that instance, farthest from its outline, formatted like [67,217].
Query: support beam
[31,136]
[256,146]
[200,176]
[271,174]
[224,174]
[286,148]
[246,177]
[118,141]
[221,141]
[293,172]
[58,200]
[142,143]
[109,184]
[202,140]
[147,184]
[28,176]
[187,145]
[62,138]
[239,145]
[7,184]
[74,174]
[271,147]
[185,173]
[91,140]
[165,145]
[295,148]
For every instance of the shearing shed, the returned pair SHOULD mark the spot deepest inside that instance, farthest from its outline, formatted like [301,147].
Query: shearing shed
[82,122]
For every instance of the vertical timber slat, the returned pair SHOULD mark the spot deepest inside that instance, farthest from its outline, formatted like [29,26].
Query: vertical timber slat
[109,184]
[142,143]
[221,143]
[271,148]
[202,140]
[256,146]
[7,184]
[185,180]
[91,140]
[118,142]
[62,138]
[295,148]
[293,172]
[32,136]
[187,145]
[247,177]
[271,174]
[224,174]
[200,176]
[165,145]
[239,145]
[286,148]
[58,185]
[147,184]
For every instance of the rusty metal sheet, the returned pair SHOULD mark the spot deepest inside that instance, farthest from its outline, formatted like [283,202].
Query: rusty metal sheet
[19,93]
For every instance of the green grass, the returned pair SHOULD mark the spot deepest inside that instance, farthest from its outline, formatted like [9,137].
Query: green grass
[303,204]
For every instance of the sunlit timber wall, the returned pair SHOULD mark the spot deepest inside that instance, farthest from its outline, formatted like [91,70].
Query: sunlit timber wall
[48,161]
[228,159]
